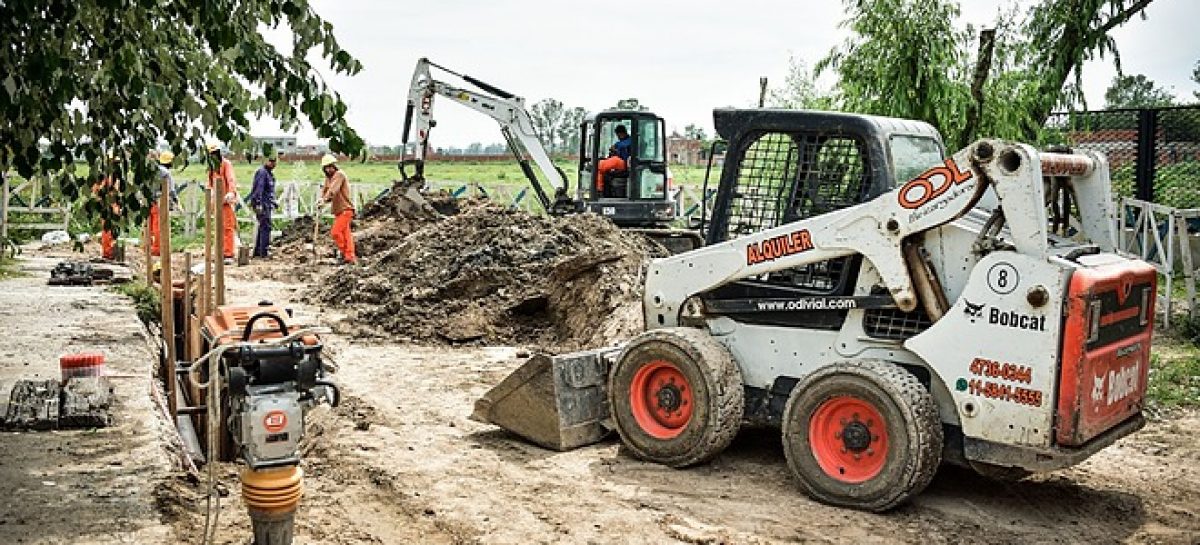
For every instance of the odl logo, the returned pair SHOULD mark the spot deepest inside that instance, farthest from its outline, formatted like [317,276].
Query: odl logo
[931,184]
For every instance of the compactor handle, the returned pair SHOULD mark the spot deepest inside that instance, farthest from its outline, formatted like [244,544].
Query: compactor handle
[265,314]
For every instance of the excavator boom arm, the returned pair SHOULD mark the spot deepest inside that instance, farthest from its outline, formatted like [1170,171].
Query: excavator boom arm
[506,109]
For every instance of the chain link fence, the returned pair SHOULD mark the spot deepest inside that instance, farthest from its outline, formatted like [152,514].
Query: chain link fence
[1153,153]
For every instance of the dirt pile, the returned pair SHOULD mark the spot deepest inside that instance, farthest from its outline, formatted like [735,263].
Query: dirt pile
[496,276]
[378,225]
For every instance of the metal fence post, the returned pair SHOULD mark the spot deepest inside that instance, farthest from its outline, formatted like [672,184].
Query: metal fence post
[1143,176]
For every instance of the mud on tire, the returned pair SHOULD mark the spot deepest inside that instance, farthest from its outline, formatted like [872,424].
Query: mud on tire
[676,396]
[839,450]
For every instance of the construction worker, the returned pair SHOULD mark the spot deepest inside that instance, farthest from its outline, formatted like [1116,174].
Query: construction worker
[164,173]
[624,145]
[220,168]
[337,192]
[262,199]
[108,190]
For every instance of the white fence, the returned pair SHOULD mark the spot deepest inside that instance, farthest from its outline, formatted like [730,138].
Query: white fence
[1159,235]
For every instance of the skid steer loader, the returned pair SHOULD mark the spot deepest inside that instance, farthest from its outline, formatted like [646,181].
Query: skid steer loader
[976,313]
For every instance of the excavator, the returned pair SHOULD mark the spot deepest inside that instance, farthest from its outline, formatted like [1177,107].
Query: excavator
[886,306]
[636,197]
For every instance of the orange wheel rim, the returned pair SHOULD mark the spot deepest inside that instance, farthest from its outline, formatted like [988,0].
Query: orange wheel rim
[660,398]
[849,439]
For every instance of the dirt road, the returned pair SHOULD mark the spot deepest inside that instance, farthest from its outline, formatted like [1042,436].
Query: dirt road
[400,462]
[80,486]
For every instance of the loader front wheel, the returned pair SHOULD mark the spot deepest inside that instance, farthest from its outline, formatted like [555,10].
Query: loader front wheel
[676,396]
[863,434]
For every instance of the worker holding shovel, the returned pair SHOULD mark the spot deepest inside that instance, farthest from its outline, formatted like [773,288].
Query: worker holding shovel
[337,192]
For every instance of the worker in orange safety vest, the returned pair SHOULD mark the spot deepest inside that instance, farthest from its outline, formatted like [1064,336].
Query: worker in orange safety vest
[220,168]
[337,192]
[108,190]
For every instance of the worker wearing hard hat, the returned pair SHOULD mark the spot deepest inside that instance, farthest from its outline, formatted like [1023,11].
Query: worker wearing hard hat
[337,192]
[262,198]
[164,173]
[220,168]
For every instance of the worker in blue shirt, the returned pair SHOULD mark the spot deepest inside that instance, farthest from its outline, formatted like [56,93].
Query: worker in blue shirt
[624,144]
[262,199]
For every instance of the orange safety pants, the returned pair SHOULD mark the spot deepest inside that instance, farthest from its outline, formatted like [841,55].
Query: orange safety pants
[153,227]
[108,245]
[342,236]
[605,165]
[229,226]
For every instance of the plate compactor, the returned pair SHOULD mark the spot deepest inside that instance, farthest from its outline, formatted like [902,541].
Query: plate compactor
[886,306]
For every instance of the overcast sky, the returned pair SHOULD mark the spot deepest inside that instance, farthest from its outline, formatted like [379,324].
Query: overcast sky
[680,58]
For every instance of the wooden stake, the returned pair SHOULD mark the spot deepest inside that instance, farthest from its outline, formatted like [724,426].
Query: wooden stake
[168,289]
[188,354]
[4,208]
[206,284]
[219,240]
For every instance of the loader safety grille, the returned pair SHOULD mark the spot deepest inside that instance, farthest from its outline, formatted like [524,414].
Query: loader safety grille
[785,177]
[890,323]
[764,183]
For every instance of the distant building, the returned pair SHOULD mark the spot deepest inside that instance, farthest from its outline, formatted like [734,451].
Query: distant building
[281,144]
[685,151]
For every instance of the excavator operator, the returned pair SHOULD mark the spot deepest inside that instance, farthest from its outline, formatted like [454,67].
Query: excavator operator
[616,162]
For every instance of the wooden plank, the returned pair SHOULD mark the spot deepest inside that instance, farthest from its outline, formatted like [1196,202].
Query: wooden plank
[168,291]
[3,207]
[37,210]
[33,405]
[86,402]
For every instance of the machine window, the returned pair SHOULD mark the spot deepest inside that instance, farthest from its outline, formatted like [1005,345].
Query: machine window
[764,179]
[649,145]
[912,155]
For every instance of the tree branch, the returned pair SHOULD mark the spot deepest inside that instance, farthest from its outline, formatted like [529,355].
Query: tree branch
[983,67]
[1120,18]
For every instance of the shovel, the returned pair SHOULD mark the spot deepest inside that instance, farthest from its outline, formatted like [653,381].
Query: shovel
[312,246]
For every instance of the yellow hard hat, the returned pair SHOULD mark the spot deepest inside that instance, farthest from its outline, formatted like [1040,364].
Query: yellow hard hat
[213,145]
[328,159]
[166,158]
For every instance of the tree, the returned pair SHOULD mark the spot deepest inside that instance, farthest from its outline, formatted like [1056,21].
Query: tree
[94,77]
[912,58]
[569,128]
[903,59]
[1196,78]
[630,104]
[799,91]
[1136,91]
[546,115]
[694,132]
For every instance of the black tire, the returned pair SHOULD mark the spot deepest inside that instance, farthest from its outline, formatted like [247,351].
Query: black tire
[852,475]
[999,473]
[717,396]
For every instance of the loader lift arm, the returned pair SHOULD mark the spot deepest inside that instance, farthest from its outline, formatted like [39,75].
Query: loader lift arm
[877,229]
[507,109]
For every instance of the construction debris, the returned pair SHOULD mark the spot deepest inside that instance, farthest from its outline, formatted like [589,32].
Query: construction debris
[80,273]
[481,273]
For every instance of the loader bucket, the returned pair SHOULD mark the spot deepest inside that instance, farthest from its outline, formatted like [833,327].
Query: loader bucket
[558,402]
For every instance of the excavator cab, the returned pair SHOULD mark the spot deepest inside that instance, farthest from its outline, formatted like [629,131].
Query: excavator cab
[632,192]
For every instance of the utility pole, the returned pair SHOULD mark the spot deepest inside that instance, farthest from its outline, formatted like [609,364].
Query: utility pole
[762,91]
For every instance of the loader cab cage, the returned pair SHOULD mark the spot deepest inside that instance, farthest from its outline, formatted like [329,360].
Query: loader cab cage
[646,176]
[784,166]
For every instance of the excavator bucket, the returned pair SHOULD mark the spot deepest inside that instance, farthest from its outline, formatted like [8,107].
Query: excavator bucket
[558,402]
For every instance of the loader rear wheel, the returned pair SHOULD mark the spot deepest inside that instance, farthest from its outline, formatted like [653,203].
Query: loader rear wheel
[863,434]
[676,396]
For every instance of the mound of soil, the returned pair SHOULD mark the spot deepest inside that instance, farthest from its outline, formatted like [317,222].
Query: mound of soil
[495,276]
